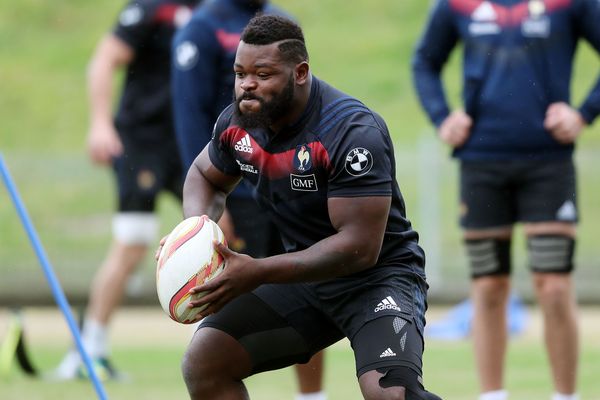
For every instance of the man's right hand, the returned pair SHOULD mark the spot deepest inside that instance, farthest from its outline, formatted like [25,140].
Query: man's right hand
[160,247]
[456,128]
[104,144]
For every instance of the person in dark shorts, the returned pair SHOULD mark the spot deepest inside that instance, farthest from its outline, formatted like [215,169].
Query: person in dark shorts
[140,145]
[202,83]
[322,165]
[515,140]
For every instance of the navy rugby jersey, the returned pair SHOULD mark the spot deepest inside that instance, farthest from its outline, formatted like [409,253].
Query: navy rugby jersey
[337,148]
[148,27]
[518,59]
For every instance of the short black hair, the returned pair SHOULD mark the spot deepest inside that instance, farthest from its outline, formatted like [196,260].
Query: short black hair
[267,29]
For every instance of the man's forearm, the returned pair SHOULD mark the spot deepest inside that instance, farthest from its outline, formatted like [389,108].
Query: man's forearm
[338,255]
[200,197]
[100,82]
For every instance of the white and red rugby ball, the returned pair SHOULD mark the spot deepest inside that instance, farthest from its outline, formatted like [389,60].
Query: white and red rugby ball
[187,259]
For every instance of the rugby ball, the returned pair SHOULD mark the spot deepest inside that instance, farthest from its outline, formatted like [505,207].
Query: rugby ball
[187,259]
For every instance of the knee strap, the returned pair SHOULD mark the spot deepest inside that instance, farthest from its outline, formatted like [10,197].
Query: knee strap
[407,378]
[488,256]
[551,253]
[135,227]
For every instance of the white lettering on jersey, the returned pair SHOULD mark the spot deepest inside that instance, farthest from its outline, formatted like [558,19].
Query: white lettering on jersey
[304,183]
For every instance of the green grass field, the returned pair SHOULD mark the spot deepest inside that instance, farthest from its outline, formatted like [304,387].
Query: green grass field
[148,347]
[364,48]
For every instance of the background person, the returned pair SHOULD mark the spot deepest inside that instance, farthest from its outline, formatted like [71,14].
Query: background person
[323,167]
[202,85]
[515,141]
[140,145]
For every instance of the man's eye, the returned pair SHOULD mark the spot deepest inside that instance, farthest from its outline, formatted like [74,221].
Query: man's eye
[239,74]
[263,75]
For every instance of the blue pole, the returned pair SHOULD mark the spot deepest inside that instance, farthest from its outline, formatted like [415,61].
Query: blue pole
[57,291]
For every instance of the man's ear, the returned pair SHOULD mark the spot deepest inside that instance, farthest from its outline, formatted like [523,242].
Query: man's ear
[301,72]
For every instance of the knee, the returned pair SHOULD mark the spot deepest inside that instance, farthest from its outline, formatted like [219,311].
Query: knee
[196,374]
[395,393]
[213,363]
[202,369]
[491,291]
[380,393]
[553,290]
[187,368]
[399,383]
[399,393]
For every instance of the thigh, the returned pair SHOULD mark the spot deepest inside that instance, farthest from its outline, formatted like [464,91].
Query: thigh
[355,300]
[277,326]
[547,191]
[389,341]
[486,195]
[392,332]
[388,349]
[142,172]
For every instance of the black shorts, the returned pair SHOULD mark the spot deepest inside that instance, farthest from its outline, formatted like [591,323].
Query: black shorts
[495,194]
[259,236]
[380,311]
[143,171]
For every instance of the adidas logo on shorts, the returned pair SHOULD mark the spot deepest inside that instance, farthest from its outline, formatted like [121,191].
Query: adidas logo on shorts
[387,304]
[387,353]
[244,145]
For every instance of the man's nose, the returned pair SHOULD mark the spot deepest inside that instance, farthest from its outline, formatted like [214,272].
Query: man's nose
[248,84]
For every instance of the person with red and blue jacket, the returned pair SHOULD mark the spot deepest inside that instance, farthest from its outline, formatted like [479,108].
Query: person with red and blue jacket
[514,139]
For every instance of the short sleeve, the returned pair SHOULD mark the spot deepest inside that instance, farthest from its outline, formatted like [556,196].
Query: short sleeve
[134,23]
[219,149]
[362,161]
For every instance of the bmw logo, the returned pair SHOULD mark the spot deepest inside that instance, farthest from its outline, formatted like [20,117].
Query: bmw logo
[359,161]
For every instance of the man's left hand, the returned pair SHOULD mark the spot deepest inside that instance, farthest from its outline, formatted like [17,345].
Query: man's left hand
[240,275]
[564,122]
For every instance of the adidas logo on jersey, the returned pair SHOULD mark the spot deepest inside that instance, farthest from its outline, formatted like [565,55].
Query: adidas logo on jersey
[387,353]
[485,12]
[244,145]
[484,20]
[387,304]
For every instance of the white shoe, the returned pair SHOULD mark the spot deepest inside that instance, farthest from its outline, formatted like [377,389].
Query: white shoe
[67,369]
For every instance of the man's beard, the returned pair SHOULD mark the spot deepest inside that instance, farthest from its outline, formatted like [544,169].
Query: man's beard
[269,111]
